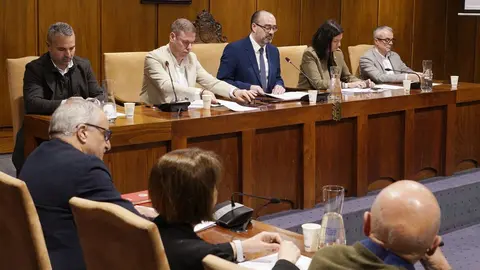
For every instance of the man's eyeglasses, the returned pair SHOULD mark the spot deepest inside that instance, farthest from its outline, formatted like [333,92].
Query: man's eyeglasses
[107,133]
[387,40]
[268,28]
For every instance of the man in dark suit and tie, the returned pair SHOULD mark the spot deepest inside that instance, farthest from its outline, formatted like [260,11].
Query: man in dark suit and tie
[68,165]
[54,77]
[253,62]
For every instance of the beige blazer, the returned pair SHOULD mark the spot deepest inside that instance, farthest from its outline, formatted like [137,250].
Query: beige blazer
[318,71]
[157,87]
[371,67]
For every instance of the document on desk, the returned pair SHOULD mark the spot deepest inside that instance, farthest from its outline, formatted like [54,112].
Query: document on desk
[268,262]
[388,86]
[235,106]
[289,96]
[198,104]
[203,226]
[361,90]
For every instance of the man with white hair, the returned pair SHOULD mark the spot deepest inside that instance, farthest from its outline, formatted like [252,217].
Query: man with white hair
[382,65]
[401,229]
[68,165]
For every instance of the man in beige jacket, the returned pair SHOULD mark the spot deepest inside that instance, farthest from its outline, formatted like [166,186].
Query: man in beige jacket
[176,59]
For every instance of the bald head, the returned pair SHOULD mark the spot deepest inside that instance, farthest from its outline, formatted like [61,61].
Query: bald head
[405,218]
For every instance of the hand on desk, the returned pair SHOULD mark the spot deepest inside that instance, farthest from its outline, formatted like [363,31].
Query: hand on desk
[244,95]
[288,251]
[209,93]
[257,89]
[278,90]
[264,241]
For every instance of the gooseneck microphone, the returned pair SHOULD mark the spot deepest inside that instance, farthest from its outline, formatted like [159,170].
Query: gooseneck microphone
[415,85]
[269,199]
[320,96]
[291,63]
[174,106]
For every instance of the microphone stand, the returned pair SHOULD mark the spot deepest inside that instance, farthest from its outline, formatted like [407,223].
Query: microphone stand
[175,106]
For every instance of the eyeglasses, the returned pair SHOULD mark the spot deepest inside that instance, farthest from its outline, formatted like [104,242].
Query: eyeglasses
[387,40]
[107,133]
[268,28]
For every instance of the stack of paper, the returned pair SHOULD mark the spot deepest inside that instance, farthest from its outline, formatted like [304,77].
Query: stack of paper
[268,262]
[235,106]
[287,96]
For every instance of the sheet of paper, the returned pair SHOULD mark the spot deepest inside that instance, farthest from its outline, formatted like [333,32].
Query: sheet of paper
[388,86]
[289,95]
[435,84]
[360,90]
[119,114]
[235,106]
[198,104]
[268,262]
[203,226]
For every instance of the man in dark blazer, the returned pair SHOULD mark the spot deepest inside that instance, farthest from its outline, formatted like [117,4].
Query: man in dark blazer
[253,62]
[68,165]
[53,78]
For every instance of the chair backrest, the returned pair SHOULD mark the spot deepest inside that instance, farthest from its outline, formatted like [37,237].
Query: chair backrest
[115,238]
[355,52]
[289,73]
[15,73]
[22,245]
[212,262]
[209,56]
[126,71]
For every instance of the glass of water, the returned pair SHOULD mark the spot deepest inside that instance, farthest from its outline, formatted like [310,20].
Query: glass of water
[108,100]
[427,82]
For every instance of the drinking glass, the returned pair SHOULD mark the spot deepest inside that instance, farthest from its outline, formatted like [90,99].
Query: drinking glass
[333,229]
[108,100]
[427,82]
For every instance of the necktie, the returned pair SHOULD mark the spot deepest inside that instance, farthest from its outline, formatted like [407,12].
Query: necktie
[263,73]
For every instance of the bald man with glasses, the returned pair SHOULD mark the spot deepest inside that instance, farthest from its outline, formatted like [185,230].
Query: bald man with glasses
[253,63]
[382,65]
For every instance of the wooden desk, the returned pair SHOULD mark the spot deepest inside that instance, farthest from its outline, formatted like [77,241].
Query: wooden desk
[292,149]
[217,235]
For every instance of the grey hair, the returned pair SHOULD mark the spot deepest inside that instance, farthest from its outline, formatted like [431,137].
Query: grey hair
[59,28]
[69,115]
[379,29]
[183,25]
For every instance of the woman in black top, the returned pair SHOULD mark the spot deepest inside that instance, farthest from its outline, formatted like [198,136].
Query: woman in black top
[183,190]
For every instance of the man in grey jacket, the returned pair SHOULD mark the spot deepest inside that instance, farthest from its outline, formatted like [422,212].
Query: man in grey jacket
[380,64]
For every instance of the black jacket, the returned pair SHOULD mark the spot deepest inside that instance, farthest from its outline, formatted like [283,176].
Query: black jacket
[185,250]
[41,90]
[54,173]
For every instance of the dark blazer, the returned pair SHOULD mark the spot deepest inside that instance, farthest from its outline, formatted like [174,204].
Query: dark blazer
[54,173]
[239,67]
[40,79]
[41,95]
[185,250]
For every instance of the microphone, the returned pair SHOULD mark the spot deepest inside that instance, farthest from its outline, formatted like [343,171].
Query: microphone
[271,200]
[415,85]
[320,96]
[175,106]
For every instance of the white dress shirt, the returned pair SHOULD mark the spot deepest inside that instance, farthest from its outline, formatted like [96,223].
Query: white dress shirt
[256,49]
[63,71]
[386,63]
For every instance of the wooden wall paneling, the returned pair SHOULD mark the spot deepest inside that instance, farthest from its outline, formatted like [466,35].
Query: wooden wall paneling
[338,169]
[460,43]
[477,54]
[409,144]
[278,166]
[167,13]
[450,134]
[83,16]
[287,14]
[429,35]
[234,18]
[359,19]
[126,174]
[467,145]
[227,146]
[309,165]
[18,38]
[248,183]
[429,143]
[314,13]
[398,14]
[385,147]
[361,158]
[128,26]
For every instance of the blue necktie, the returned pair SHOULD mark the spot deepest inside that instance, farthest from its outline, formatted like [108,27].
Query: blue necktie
[263,73]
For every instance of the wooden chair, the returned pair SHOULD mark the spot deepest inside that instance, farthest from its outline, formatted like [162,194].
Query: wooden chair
[115,238]
[22,245]
[289,73]
[125,69]
[355,52]
[212,262]
[208,30]
[209,56]
[15,73]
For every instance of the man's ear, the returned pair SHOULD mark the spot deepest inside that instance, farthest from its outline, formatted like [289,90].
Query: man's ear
[82,134]
[367,220]
[434,246]
[172,36]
